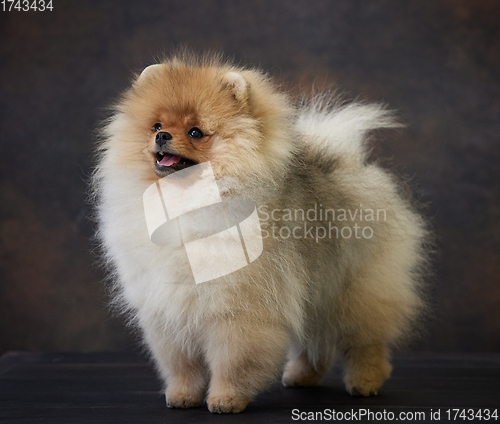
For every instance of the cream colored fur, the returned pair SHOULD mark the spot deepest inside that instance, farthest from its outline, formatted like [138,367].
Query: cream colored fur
[302,302]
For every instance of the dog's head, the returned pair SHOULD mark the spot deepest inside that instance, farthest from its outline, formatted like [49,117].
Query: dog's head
[182,112]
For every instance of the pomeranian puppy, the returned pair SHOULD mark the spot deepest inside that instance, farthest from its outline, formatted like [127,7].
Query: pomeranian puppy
[343,251]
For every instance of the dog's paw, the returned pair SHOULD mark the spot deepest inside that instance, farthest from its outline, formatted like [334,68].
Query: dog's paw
[360,391]
[182,400]
[225,405]
[366,369]
[368,382]
[299,372]
[300,378]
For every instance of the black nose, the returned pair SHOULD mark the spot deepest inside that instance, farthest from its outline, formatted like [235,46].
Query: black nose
[162,138]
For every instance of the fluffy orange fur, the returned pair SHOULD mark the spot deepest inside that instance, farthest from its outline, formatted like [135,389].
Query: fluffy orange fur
[303,302]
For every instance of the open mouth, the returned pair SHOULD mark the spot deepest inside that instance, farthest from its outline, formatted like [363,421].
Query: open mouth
[166,163]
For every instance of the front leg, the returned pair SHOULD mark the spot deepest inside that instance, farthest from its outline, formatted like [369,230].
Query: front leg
[244,357]
[185,375]
[186,382]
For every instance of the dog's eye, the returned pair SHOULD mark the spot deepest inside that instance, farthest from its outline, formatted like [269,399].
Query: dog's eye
[195,133]
[157,127]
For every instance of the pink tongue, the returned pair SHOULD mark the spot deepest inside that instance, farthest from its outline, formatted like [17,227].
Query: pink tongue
[169,160]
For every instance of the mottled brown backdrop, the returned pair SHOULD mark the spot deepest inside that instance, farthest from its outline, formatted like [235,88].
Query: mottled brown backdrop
[436,62]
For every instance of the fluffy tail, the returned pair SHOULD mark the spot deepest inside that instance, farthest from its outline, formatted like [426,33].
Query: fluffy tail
[341,129]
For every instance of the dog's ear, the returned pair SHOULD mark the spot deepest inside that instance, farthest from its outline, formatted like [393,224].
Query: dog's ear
[238,86]
[148,72]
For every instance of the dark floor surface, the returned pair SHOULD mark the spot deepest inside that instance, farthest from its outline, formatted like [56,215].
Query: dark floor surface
[122,388]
